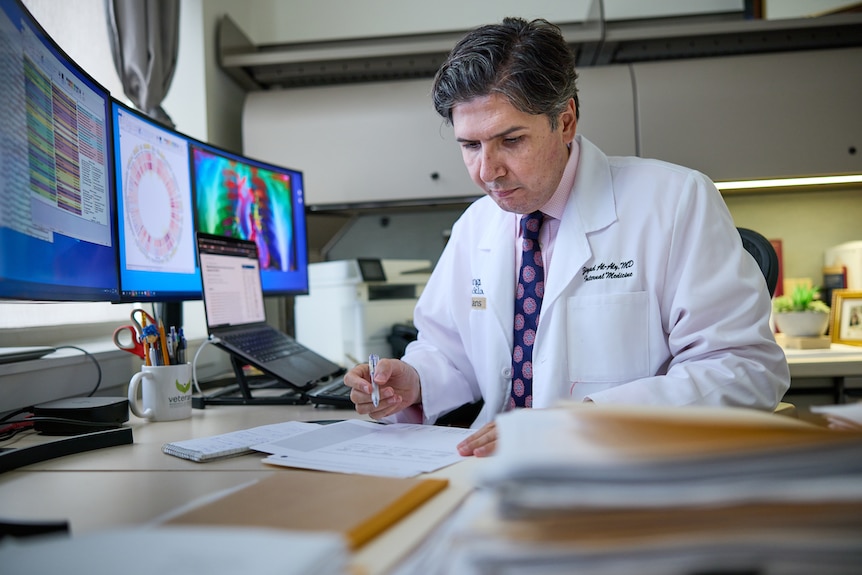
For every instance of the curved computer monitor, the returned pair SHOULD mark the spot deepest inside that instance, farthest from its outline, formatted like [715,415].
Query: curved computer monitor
[240,197]
[155,214]
[56,179]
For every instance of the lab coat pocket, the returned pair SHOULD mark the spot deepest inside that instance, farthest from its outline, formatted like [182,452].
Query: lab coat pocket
[608,337]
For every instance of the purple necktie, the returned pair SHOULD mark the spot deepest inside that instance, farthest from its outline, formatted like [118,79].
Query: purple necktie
[528,304]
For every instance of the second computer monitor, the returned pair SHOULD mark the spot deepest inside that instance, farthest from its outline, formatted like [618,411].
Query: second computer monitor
[155,212]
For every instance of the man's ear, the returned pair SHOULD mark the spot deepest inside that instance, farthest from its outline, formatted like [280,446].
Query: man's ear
[569,121]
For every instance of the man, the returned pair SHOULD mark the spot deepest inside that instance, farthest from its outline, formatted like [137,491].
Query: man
[637,285]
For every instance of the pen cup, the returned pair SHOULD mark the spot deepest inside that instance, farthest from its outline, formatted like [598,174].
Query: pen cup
[166,392]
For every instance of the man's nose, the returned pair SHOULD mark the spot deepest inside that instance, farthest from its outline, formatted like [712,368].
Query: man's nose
[492,167]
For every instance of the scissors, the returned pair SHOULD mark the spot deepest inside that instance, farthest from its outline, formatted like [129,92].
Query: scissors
[140,324]
[135,345]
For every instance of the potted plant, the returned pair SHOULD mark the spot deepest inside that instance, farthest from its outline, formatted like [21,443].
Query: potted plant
[802,313]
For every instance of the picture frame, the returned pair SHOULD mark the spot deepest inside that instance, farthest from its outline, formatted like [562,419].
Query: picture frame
[846,317]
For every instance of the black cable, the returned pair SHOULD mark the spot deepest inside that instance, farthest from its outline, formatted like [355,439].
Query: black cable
[51,419]
[14,413]
[95,362]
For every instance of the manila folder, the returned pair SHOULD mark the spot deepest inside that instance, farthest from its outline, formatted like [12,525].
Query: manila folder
[358,506]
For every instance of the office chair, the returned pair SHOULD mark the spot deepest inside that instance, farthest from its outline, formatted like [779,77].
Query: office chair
[764,254]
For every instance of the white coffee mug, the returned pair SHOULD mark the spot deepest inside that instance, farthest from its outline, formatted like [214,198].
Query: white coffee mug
[166,393]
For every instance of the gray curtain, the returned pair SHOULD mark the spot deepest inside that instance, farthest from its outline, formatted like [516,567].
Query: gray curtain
[144,38]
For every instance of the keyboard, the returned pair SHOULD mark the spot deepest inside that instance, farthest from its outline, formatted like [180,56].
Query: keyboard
[264,345]
[335,393]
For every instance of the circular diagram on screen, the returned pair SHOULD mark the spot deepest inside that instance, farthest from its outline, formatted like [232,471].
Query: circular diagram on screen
[153,204]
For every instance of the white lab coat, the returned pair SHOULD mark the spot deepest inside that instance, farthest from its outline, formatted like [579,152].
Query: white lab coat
[650,299]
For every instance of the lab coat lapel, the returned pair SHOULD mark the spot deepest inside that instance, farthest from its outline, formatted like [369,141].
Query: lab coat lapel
[496,260]
[591,207]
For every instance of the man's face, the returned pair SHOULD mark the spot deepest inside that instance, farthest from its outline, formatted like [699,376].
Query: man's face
[513,156]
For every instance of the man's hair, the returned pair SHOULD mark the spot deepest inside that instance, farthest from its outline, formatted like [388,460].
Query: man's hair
[529,63]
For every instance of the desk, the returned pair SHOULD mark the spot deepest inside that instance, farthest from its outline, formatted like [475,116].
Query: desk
[836,363]
[137,484]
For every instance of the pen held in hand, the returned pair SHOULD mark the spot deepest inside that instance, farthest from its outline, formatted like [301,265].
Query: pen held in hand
[372,367]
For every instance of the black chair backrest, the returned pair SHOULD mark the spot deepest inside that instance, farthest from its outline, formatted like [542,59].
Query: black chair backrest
[764,254]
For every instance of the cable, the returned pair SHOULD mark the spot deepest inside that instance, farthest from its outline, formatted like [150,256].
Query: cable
[211,339]
[91,358]
[14,413]
[14,428]
[51,419]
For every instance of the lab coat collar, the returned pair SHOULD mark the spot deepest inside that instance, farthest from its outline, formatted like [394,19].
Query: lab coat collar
[591,207]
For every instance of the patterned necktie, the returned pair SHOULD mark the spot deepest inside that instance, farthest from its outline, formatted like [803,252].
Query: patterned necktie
[528,304]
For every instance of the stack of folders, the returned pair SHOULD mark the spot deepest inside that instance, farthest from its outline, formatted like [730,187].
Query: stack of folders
[595,489]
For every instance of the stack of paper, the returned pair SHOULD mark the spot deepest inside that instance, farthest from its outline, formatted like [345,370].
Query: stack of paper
[595,489]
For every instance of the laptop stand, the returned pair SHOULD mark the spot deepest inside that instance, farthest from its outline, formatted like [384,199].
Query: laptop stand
[242,392]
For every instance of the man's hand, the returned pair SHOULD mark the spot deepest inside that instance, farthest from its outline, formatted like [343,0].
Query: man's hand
[482,443]
[398,383]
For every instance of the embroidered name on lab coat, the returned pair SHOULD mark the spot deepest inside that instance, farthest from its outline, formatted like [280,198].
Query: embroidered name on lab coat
[609,271]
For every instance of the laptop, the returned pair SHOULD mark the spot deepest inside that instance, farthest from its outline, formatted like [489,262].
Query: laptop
[236,317]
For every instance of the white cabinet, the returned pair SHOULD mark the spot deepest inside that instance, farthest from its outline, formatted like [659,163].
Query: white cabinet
[606,98]
[378,142]
[273,22]
[754,116]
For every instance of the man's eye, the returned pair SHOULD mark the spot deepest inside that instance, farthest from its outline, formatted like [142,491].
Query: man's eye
[513,140]
[470,145]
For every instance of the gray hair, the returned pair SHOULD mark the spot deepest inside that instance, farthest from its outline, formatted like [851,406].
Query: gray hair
[527,62]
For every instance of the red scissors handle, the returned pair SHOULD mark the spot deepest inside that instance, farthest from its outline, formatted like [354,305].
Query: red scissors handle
[134,346]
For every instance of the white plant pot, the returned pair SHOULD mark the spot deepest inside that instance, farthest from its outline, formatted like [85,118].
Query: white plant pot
[802,323]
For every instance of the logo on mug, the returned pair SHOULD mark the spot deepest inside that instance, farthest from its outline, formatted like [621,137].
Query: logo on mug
[183,388]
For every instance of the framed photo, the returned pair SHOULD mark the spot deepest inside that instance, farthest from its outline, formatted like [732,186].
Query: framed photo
[847,317]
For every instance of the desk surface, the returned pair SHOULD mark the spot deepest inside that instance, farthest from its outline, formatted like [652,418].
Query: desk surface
[837,361]
[137,484]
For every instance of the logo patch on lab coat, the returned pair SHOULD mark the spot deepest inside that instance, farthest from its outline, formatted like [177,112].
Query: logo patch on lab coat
[609,270]
[477,301]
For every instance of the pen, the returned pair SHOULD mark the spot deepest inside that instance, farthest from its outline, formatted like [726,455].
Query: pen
[375,391]
[146,341]
[172,345]
[163,343]
[181,348]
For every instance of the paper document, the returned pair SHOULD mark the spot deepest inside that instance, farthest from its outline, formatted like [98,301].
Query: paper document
[845,416]
[234,442]
[363,447]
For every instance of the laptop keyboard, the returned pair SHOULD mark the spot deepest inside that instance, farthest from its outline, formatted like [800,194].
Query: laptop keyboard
[264,345]
[335,393]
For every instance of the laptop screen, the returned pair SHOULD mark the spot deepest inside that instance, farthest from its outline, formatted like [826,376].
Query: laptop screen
[230,274]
